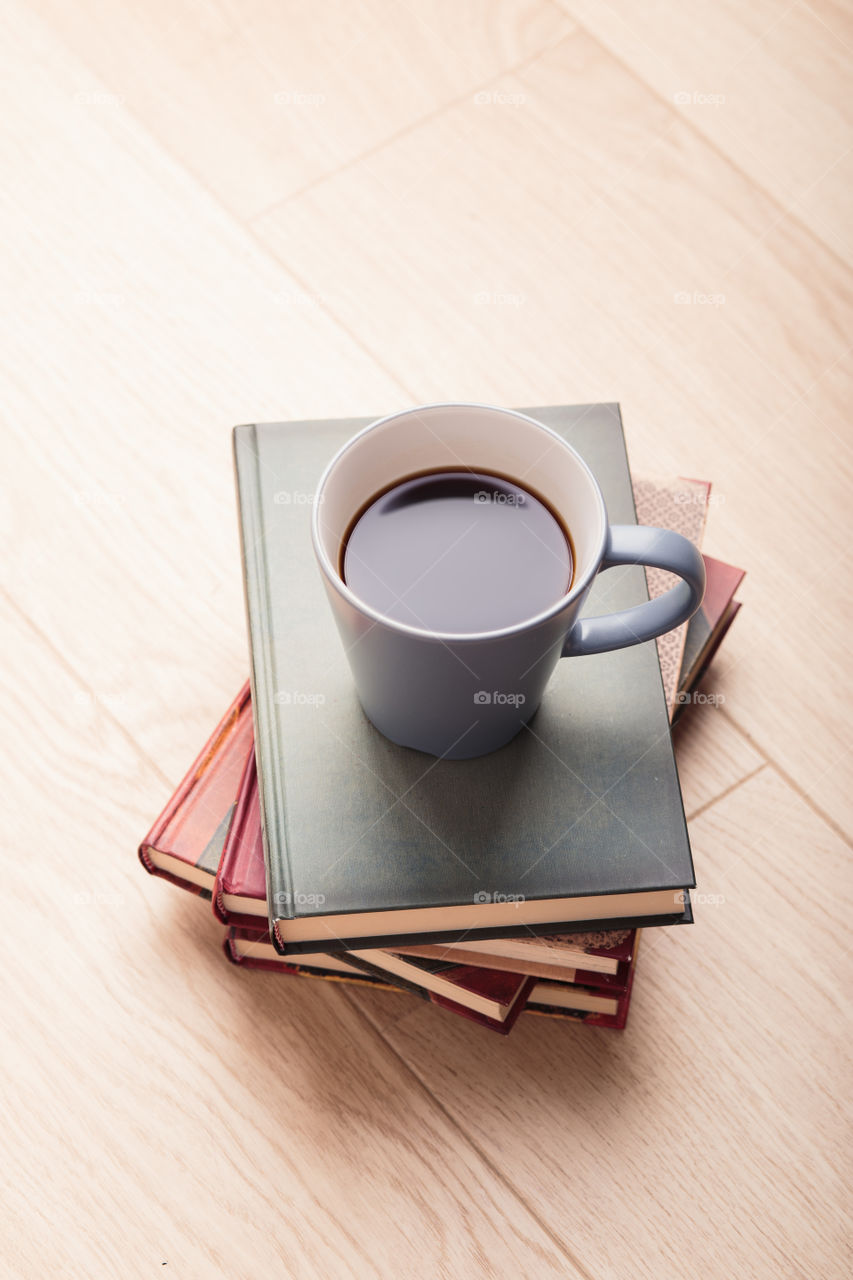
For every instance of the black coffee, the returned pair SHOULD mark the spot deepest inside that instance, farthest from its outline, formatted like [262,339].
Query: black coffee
[457,551]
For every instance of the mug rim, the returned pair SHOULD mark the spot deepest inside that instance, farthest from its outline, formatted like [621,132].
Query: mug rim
[449,637]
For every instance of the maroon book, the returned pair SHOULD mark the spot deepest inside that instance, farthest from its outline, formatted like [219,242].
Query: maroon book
[495,995]
[185,843]
[590,1005]
[709,624]
[510,992]
[240,892]
[505,993]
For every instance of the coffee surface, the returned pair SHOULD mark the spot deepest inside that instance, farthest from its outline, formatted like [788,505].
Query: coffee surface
[458,552]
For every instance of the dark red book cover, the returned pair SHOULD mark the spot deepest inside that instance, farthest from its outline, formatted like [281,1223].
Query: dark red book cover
[719,635]
[492,993]
[711,620]
[185,843]
[272,962]
[494,984]
[572,997]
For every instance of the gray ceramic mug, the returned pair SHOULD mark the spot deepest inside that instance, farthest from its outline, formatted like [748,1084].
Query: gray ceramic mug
[435,691]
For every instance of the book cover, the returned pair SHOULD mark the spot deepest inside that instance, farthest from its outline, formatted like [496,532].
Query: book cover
[591,1005]
[680,504]
[254,949]
[493,1000]
[577,823]
[711,620]
[240,895]
[708,654]
[492,992]
[240,892]
[507,1017]
[185,843]
[560,970]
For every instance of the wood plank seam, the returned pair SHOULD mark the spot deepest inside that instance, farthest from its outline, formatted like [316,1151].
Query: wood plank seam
[791,781]
[727,791]
[709,142]
[105,709]
[410,128]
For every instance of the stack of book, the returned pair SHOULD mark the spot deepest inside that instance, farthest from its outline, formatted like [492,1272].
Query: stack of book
[516,882]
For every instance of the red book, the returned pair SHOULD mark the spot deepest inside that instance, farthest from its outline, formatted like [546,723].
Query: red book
[494,999]
[185,844]
[253,949]
[495,995]
[592,1006]
[510,992]
[240,891]
[708,625]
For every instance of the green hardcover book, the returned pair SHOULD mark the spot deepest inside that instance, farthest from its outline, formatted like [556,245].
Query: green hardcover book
[576,824]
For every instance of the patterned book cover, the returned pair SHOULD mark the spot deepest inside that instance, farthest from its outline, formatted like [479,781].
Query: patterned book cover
[185,843]
[671,502]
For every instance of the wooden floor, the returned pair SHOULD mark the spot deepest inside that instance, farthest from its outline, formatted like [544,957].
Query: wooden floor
[219,213]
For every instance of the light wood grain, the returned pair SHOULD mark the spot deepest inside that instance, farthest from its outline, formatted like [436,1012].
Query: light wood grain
[164,1108]
[491,201]
[766,83]
[140,333]
[713,756]
[587,239]
[261,100]
[719,1112]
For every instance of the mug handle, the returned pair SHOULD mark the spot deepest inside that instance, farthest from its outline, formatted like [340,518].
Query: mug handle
[660,549]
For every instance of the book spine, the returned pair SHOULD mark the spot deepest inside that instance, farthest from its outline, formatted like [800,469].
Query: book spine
[615,1021]
[233,840]
[258,611]
[294,971]
[188,782]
